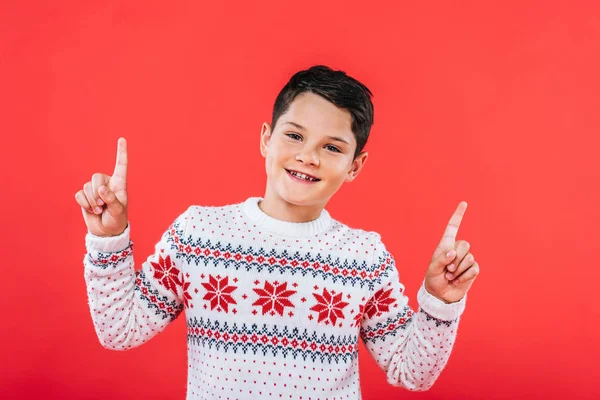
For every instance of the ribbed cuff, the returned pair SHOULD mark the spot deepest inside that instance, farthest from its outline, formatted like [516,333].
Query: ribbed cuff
[437,308]
[107,244]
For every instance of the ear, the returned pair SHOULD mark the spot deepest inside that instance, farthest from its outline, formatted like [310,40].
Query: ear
[357,166]
[265,136]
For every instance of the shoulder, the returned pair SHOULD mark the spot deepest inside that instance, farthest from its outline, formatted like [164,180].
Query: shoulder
[369,241]
[201,218]
[368,245]
[356,232]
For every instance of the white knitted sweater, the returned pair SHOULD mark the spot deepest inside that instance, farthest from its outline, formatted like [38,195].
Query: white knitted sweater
[273,309]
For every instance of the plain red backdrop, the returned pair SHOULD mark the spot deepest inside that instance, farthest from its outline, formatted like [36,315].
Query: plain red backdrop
[495,104]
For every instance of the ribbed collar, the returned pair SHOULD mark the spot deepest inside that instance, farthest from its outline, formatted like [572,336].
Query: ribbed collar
[294,229]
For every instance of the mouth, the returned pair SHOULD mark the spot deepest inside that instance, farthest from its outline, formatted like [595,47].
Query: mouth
[302,176]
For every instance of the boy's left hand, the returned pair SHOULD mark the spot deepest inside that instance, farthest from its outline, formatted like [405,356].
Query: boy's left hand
[450,277]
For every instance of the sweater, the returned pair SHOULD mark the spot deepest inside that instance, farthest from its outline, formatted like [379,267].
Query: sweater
[273,309]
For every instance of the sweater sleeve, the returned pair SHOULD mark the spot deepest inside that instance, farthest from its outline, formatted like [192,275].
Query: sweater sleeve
[411,347]
[129,307]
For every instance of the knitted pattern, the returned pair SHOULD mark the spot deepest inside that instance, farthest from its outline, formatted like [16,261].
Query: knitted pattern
[273,309]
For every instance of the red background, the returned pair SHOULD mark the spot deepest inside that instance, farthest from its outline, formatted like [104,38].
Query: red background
[495,104]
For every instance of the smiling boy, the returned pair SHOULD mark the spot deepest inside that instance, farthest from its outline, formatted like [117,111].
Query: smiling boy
[275,292]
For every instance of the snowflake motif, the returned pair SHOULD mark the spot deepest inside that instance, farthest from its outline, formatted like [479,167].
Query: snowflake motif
[358,317]
[219,293]
[186,296]
[379,303]
[273,297]
[329,307]
[166,273]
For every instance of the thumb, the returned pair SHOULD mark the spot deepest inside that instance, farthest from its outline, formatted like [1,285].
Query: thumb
[113,205]
[439,263]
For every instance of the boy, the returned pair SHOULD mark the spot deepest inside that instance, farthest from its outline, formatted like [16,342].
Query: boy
[276,293]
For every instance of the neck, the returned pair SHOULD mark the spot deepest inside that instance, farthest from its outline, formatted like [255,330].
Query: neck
[278,208]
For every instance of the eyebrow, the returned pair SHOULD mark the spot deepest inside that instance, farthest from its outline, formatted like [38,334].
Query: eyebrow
[335,138]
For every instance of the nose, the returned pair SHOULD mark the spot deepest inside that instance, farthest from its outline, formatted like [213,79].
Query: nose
[308,156]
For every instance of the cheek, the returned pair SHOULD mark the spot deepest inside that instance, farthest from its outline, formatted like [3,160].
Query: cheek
[269,163]
[274,160]
[279,154]
[340,171]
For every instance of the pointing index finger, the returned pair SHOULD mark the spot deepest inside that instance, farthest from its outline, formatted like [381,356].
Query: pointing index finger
[121,164]
[449,238]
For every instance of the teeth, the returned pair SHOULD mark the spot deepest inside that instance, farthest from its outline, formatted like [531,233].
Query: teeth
[302,176]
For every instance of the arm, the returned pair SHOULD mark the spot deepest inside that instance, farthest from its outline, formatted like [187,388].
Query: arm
[130,307]
[411,347]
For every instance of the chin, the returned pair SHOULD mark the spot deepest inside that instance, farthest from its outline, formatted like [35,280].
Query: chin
[300,199]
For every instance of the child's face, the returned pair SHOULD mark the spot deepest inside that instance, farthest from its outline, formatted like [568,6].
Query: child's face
[313,137]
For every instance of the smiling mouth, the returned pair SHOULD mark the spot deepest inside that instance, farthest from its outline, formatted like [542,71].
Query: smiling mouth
[300,175]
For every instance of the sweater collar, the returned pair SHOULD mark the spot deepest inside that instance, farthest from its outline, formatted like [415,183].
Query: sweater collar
[295,229]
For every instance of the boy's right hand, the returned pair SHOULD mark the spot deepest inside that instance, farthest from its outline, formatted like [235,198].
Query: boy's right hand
[103,200]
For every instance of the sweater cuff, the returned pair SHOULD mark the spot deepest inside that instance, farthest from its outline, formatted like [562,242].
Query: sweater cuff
[439,309]
[109,243]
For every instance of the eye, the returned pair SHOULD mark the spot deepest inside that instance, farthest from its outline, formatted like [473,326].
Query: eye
[294,136]
[333,148]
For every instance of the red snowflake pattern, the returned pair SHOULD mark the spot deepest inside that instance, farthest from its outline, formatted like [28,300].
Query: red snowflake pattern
[358,317]
[379,303]
[219,293]
[166,273]
[186,296]
[274,297]
[329,307]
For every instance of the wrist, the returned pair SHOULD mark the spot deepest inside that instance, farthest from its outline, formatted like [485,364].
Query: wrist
[438,307]
[431,293]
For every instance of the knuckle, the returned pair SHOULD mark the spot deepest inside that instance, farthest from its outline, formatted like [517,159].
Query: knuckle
[80,199]
[466,276]
[462,248]
[97,176]
[87,185]
[469,275]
